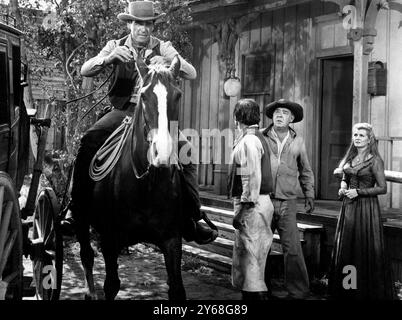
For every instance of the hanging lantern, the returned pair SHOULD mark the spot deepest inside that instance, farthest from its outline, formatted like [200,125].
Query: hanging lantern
[232,86]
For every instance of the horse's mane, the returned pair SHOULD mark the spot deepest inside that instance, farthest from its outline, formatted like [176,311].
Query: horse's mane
[165,72]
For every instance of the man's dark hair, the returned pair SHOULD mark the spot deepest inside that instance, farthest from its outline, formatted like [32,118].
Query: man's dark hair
[247,111]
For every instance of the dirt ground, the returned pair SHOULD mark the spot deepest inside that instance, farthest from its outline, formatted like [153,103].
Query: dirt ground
[143,277]
[142,273]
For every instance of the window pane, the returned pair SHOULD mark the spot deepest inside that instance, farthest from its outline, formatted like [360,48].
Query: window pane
[257,73]
[16,74]
[3,89]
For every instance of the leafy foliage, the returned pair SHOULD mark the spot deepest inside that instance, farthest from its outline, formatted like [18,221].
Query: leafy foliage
[69,32]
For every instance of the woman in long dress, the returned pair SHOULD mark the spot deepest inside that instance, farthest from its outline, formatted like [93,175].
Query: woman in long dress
[359,268]
[250,183]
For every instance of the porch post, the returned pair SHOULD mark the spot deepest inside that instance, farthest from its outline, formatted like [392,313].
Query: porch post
[360,73]
[221,169]
[363,36]
[226,34]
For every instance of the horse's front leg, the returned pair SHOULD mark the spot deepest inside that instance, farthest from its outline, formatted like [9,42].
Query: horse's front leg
[87,260]
[110,253]
[171,249]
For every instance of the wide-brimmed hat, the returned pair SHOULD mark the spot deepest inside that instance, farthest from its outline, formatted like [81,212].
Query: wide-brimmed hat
[140,11]
[294,107]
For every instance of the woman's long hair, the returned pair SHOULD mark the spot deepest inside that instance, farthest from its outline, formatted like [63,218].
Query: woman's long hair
[352,150]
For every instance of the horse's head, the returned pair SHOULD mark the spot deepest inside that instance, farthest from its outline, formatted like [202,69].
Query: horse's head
[159,100]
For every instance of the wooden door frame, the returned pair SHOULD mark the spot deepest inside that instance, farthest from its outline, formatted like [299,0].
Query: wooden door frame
[318,116]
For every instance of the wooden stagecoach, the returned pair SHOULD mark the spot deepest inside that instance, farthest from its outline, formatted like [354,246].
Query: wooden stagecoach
[32,231]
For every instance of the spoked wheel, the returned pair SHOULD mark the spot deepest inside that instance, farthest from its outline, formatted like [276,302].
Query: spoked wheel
[47,242]
[11,269]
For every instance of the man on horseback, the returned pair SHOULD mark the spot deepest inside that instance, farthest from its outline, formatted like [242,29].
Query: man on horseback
[123,96]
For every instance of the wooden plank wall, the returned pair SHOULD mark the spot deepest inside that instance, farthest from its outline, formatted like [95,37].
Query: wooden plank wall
[384,111]
[288,34]
[199,109]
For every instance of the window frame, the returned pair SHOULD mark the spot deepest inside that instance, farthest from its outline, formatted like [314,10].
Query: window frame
[6,113]
[267,86]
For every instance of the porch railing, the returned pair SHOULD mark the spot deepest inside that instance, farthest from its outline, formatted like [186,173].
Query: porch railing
[391,150]
[393,176]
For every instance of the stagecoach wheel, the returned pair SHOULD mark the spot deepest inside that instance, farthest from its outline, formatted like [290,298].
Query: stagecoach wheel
[47,241]
[11,269]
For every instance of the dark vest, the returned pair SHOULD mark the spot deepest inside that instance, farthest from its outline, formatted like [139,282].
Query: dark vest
[124,80]
[236,188]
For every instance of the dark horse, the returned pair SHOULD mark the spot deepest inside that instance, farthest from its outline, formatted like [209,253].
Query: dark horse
[140,199]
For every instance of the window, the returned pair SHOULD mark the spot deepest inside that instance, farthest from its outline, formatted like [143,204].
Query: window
[3,88]
[17,75]
[256,74]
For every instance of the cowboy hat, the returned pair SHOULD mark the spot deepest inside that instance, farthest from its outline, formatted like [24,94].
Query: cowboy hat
[294,107]
[140,11]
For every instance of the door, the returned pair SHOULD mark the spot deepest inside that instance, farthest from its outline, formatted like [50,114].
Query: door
[4,109]
[336,121]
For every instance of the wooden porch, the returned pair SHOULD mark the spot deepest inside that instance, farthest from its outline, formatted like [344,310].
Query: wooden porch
[316,230]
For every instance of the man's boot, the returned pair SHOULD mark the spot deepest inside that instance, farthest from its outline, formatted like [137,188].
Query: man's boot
[246,295]
[204,234]
[194,230]
[261,295]
[67,224]
[254,295]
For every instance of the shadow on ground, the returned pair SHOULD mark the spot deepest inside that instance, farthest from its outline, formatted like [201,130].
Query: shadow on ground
[143,276]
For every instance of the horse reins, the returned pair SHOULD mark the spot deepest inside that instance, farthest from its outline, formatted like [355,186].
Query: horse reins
[101,85]
[143,175]
[113,146]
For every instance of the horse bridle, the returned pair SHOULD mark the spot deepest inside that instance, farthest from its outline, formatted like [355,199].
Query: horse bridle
[139,108]
[146,128]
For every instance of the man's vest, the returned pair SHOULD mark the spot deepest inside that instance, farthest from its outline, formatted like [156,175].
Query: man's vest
[236,187]
[125,78]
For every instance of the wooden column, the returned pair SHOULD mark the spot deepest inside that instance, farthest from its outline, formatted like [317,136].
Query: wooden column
[221,170]
[363,36]
[226,33]
[360,72]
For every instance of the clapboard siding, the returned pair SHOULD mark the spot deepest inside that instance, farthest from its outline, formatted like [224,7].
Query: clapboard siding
[289,50]
[301,80]
[286,33]
[384,111]
[266,42]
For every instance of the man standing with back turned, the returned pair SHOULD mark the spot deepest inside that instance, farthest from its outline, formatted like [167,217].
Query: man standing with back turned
[290,166]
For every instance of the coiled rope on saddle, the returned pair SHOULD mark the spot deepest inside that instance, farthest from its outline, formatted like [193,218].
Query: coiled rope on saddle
[112,147]
[110,151]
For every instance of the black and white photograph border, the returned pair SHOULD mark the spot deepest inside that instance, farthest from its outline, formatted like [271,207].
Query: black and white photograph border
[279,121]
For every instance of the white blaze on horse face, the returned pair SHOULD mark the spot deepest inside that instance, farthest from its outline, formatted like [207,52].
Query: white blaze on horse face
[162,139]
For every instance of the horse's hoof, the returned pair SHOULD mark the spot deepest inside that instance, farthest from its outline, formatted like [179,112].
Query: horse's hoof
[89,296]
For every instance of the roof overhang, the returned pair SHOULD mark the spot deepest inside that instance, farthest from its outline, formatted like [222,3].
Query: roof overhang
[10,29]
[209,11]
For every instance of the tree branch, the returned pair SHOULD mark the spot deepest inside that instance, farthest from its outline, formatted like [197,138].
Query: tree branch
[68,62]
